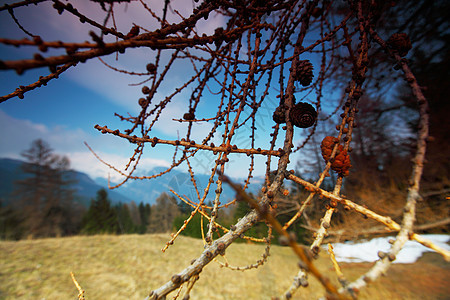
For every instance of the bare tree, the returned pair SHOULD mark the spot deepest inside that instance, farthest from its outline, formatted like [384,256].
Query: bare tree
[45,195]
[265,50]
[165,210]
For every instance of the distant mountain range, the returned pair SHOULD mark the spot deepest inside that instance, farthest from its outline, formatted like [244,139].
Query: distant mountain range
[86,188]
[135,190]
[148,190]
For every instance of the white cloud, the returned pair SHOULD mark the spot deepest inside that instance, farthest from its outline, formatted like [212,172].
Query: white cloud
[209,26]
[45,21]
[18,135]
[88,163]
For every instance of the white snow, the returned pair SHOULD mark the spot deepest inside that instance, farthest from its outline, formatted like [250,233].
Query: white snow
[368,251]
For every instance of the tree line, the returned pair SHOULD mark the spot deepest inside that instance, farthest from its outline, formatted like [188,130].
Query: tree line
[44,202]
[44,206]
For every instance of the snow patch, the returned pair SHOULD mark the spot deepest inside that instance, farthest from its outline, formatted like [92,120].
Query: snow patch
[367,251]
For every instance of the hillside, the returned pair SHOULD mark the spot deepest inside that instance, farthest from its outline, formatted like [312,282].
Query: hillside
[129,266]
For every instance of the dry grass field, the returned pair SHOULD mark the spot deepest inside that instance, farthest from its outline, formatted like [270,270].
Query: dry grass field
[129,266]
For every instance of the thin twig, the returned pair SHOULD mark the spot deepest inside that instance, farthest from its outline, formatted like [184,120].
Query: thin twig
[80,290]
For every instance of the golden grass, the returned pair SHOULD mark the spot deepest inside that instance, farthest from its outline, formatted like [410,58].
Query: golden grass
[129,266]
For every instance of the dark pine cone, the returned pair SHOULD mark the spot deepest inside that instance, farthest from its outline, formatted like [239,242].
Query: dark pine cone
[151,68]
[143,102]
[189,116]
[304,72]
[279,115]
[145,90]
[303,115]
[317,12]
[400,42]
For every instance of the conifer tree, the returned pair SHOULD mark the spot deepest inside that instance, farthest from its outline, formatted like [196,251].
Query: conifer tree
[101,217]
[144,213]
[124,220]
[10,223]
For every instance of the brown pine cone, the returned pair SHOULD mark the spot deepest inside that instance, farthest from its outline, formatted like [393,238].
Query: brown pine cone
[143,102]
[341,163]
[279,115]
[151,68]
[189,116]
[304,72]
[400,42]
[327,146]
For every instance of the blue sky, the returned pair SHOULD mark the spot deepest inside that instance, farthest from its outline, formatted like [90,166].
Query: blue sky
[65,112]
